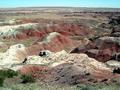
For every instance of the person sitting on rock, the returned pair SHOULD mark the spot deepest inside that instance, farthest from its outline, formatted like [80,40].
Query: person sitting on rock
[44,53]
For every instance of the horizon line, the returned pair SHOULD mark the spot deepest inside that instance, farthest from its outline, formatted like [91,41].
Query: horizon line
[58,7]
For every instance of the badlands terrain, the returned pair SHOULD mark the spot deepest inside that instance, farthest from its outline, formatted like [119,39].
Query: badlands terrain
[59,48]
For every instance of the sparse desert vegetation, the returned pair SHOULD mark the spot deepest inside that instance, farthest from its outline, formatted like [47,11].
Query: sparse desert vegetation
[59,49]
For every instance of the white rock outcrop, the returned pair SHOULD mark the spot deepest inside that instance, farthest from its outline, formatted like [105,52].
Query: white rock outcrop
[14,55]
[9,30]
[49,37]
[113,63]
[50,58]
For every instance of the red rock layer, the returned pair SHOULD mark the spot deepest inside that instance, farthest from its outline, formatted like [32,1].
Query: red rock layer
[63,28]
[58,43]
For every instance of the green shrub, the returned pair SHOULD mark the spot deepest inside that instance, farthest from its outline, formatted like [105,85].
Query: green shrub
[116,71]
[1,81]
[6,74]
[27,79]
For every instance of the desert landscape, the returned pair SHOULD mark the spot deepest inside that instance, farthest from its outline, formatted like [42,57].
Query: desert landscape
[59,48]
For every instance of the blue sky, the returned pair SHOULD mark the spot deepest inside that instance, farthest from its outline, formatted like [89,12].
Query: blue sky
[67,3]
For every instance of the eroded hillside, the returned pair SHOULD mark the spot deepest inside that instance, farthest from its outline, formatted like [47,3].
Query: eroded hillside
[57,47]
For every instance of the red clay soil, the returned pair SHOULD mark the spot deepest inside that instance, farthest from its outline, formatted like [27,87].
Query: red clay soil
[102,52]
[63,74]
[37,20]
[68,29]
[100,55]
[112,46]
[106,77]
[38,72]
[84,48]
[58,43]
